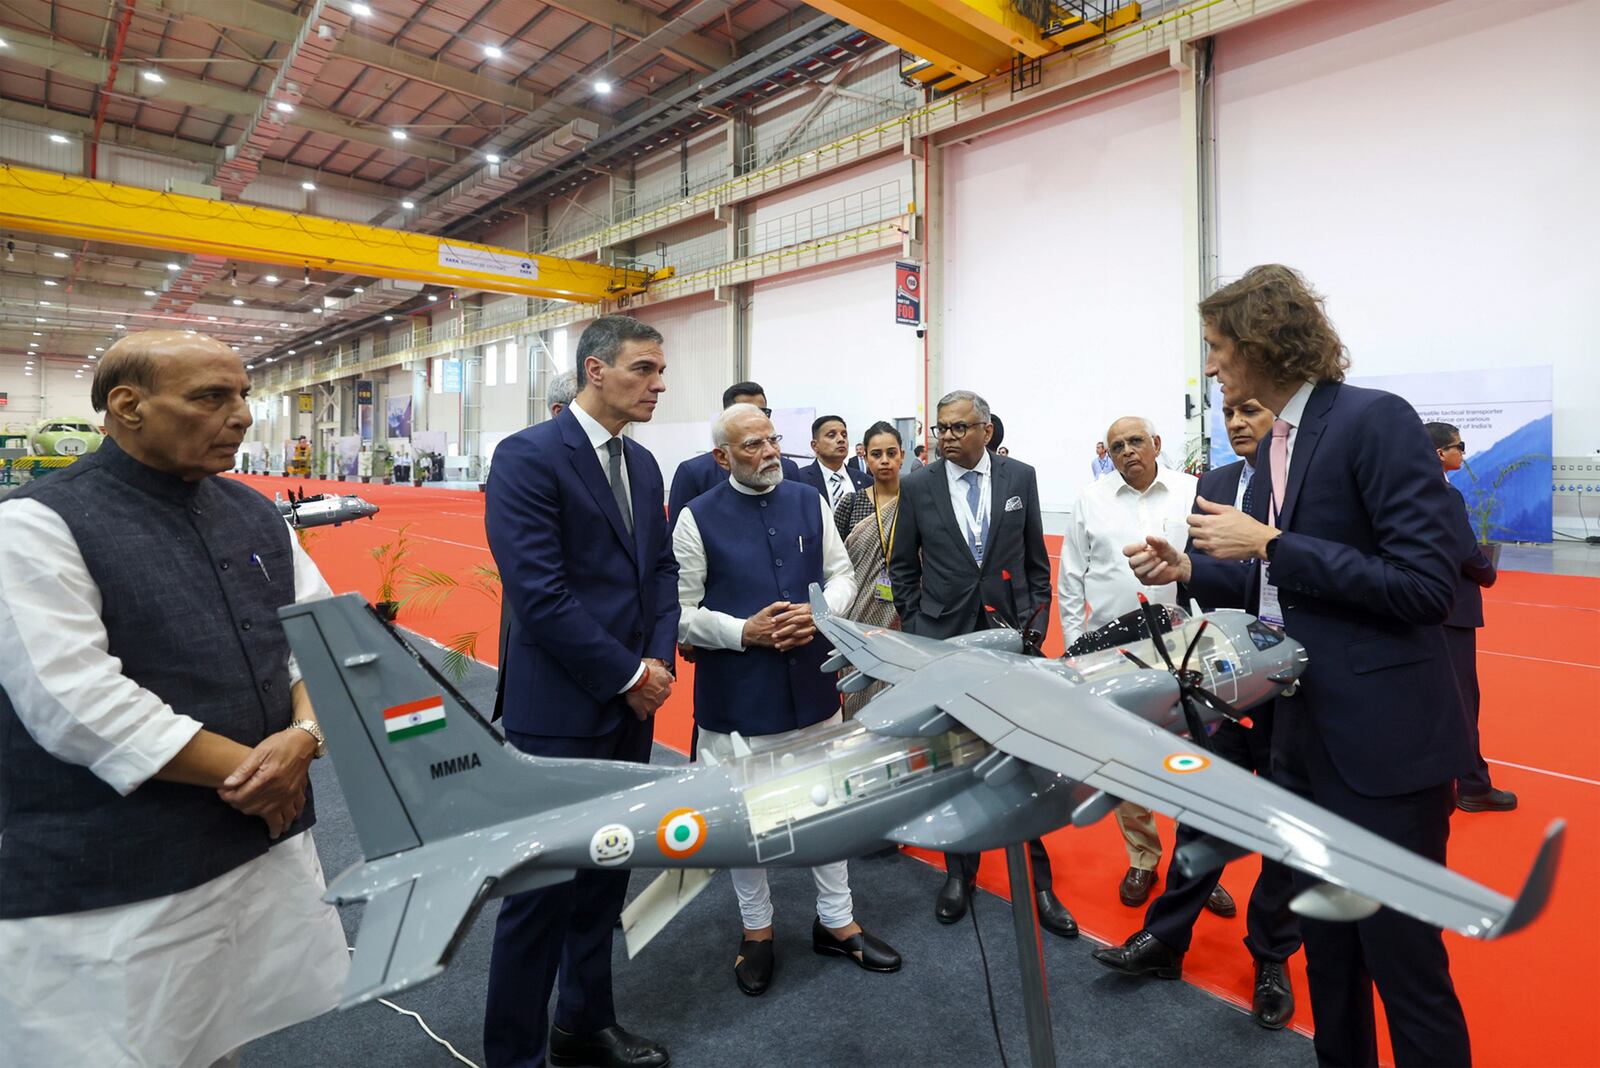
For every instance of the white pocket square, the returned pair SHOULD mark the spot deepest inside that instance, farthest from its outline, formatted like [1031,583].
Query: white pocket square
[1014,504]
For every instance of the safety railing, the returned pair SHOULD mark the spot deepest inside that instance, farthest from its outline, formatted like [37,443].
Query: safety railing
[830,217]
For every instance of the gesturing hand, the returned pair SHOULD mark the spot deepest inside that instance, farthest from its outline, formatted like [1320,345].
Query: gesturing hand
[759,629]
[1157,562]
[653,694]
[795,628]
[271,782]
[1229,534]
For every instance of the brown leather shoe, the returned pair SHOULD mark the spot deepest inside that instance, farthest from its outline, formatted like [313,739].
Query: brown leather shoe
[1136,886]
[1221,903]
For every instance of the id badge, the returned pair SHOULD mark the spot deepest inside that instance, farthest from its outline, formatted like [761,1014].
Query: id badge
[1271,611]
[881,589]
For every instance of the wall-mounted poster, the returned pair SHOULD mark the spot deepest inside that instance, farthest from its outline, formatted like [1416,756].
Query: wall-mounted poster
[349,453]
[399,413]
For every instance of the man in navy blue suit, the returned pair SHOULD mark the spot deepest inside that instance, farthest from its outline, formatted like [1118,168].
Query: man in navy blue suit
[575,524]
[699,473]
[828,473]
[1474,791]
[1354,553]
[1273,932]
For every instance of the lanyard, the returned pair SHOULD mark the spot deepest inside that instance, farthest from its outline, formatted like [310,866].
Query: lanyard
[971,522]
[886,543]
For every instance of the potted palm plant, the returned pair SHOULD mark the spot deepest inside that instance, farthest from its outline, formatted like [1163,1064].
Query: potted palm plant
[430,588]
[391,558]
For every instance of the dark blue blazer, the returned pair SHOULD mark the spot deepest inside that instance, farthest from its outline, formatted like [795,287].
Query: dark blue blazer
[588,602]
[812,474]
[1365,574]
[1476,575]
[700,473]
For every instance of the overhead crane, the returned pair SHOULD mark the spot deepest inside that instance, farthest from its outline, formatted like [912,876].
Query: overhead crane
[958,42]
[67,205]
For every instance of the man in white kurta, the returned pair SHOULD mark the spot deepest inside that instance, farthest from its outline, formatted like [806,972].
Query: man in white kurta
[184,978]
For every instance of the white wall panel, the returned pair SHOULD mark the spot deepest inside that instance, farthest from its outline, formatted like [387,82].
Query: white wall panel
[827,339]
[52,391]
[1063,296]
[143,169]
[30,145]
[1431,168]
[699,365]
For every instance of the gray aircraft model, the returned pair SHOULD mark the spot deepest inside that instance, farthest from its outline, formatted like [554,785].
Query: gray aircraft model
[324,509]
[972,747]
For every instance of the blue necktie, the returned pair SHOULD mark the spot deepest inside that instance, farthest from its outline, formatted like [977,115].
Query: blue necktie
[974,483]
[1249,489]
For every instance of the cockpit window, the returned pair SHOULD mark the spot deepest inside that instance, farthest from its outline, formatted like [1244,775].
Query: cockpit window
[1265,635]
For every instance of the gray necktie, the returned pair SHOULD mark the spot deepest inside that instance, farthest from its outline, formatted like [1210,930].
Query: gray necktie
[838,483]
[618,488]
[974,483]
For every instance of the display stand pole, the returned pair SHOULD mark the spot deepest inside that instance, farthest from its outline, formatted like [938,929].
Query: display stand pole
[1030,958]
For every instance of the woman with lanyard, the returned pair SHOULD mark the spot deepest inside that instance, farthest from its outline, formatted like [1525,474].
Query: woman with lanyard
[866,522]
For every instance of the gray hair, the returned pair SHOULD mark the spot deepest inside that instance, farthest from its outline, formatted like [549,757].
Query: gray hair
[719,425]
[956,396]
[1149,427]
[563,389]
[603,339]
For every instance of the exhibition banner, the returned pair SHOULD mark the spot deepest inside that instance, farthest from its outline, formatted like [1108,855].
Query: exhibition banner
[305,402]
[908,293]
[1505,419]
[348,451]
[399,416]
[451,374]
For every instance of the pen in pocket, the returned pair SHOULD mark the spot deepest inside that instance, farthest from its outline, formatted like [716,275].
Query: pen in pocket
[256,560]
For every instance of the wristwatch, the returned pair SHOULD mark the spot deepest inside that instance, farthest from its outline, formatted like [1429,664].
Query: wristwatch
[310,727]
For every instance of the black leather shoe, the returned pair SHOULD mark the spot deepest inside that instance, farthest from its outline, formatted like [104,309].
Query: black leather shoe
[1136,886]
[1053,915]
[871,954]
[1142,954]
[1273,1004]
[951,904]
[1221,902]
[1493,801]
[752,969]
[609,1047]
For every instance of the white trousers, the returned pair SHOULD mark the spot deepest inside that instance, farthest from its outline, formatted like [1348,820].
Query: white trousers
[834,906]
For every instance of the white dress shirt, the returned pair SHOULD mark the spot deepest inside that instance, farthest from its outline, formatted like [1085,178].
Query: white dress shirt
[1246,474]
[600,440]
[955,478]
[705,629]
[174,980]
[836,484]
[1109,515]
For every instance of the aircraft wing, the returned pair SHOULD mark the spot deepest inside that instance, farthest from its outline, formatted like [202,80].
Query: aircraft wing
[877,652]
[1045,720]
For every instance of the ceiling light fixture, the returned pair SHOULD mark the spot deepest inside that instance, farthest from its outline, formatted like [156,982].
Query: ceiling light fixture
[271,278]
[44,304]
[358,289]
[38,319]
[409,205]
[149,292]
[602,87]
[291,353]
[59,255]
[60,139]
[283,326]
[120,326]
[237,303]
[37,334]
[317,342]
[50,282]
[211,318]
[432,299]
[174,267]
[256,338]
[398,135]
[491,52]
[491,157]
[99,348]
[152,76]
[361,11]
[285,107]
[388,318]
[309,187]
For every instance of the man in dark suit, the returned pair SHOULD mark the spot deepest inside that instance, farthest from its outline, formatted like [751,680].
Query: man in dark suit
[858,462]
[1353,553]
[1273,930]
[702,472]
[832,477]
[968,554]
[1474,791]
[575,525]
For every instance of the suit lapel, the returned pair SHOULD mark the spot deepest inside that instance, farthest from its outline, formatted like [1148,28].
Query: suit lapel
[1307,435]
[1000,486]
[586,462]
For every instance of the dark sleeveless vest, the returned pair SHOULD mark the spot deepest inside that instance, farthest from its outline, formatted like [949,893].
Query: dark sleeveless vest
[195,622]
[754,557]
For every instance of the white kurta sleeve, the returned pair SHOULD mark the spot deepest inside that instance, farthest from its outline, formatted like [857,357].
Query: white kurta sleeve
[1074,569]
[839,578]
[698,626]
[68,690]
[309,585]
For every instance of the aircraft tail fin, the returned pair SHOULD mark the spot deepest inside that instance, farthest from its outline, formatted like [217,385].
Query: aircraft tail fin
[1541,878]
[405,742]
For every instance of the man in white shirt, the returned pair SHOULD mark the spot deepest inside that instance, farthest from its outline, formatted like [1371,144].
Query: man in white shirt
[160,894]
[747,553]
[1095,586]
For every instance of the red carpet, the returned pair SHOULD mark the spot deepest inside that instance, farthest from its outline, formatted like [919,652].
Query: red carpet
[1539,663]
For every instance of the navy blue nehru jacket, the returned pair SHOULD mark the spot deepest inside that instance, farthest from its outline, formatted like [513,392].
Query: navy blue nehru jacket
[760,548]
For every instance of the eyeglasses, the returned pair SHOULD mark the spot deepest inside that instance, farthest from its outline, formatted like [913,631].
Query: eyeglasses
[1458,445]
[751,446]
[955,430]
[767,412]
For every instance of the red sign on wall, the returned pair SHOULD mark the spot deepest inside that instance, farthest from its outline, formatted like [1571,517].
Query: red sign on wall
[908,293]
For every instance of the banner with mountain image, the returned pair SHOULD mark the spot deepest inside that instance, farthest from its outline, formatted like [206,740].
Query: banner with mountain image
[1504,417]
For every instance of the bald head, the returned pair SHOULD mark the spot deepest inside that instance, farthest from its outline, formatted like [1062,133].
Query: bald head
[174,400]
[1134,446]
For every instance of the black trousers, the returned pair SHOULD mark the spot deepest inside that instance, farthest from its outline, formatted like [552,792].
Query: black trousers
[1462,643]
[967,865]
[1404,958]
[1272,931]
[560,932]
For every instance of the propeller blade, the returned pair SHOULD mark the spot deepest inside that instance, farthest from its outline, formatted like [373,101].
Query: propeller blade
[1201,629]
[1152,623]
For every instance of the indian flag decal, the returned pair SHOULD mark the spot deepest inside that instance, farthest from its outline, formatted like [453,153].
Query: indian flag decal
[682,832]
[1186,762]
[414,718]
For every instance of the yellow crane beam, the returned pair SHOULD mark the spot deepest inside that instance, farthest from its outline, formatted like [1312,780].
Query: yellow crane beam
[65,205]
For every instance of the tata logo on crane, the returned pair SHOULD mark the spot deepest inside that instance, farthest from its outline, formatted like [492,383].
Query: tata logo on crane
[488,261]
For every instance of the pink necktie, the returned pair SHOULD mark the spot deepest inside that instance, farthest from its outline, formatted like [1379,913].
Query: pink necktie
[1280,467]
